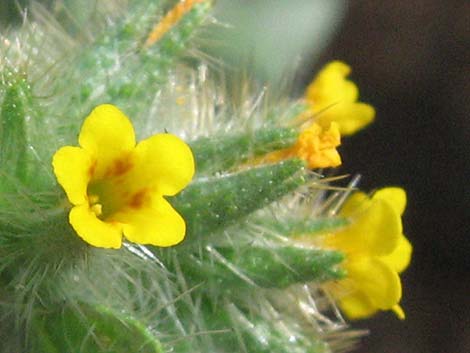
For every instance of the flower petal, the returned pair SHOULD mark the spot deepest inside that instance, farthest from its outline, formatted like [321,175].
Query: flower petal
[400,258]
[393,195]
[397,309]
[107,134]
[375,280]
[158,225]
[72,168]
[331,87]
[355,203]
[93,230]
[374,231]
[334,98]
[357,306]
[350,117]
[164,162]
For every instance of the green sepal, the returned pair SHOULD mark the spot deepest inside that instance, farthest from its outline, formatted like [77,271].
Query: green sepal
[268,267]
[299,227]
[151,65]
[92,329]
[207,205]
[25,138]
[222,152]
[97,62]
[141,69]
[176,39]
[13,135]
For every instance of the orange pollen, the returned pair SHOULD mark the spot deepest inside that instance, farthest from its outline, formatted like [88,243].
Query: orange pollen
[171,18]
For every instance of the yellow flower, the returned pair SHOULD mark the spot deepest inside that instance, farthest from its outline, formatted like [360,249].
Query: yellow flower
[376,252]
[334,98]
[315,146]
[116,187]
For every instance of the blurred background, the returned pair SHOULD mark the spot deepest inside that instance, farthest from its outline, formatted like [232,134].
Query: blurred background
[411,60]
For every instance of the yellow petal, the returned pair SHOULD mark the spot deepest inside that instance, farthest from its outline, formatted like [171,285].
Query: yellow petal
[397,309]
[330,86]
[158,224]
[356,202]
[72,168]
[108,135]
[375,280]
[93,230]
[351,117]
[395,196]
[373,231]
[317,146]
[164,162]
[334,98]
[357,306]
[400,258]
[325,159]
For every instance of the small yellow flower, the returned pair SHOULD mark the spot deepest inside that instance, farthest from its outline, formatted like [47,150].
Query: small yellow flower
[334,98]
[318,146]
[116,187]
[315,145]
[376,252]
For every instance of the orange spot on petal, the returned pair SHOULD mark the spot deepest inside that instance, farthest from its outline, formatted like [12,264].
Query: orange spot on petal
[138,199]
[91,170]
[119,167]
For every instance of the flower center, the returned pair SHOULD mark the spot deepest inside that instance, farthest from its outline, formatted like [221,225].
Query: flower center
[95,206]
[116,191]
[104,198]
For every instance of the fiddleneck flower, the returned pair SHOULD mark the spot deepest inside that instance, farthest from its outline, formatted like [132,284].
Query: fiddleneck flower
[331,97]
[116,187]
[376,253]
[332,111]
[315,145]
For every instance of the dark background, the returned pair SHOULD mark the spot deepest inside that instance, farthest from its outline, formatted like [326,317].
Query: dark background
[411,61]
